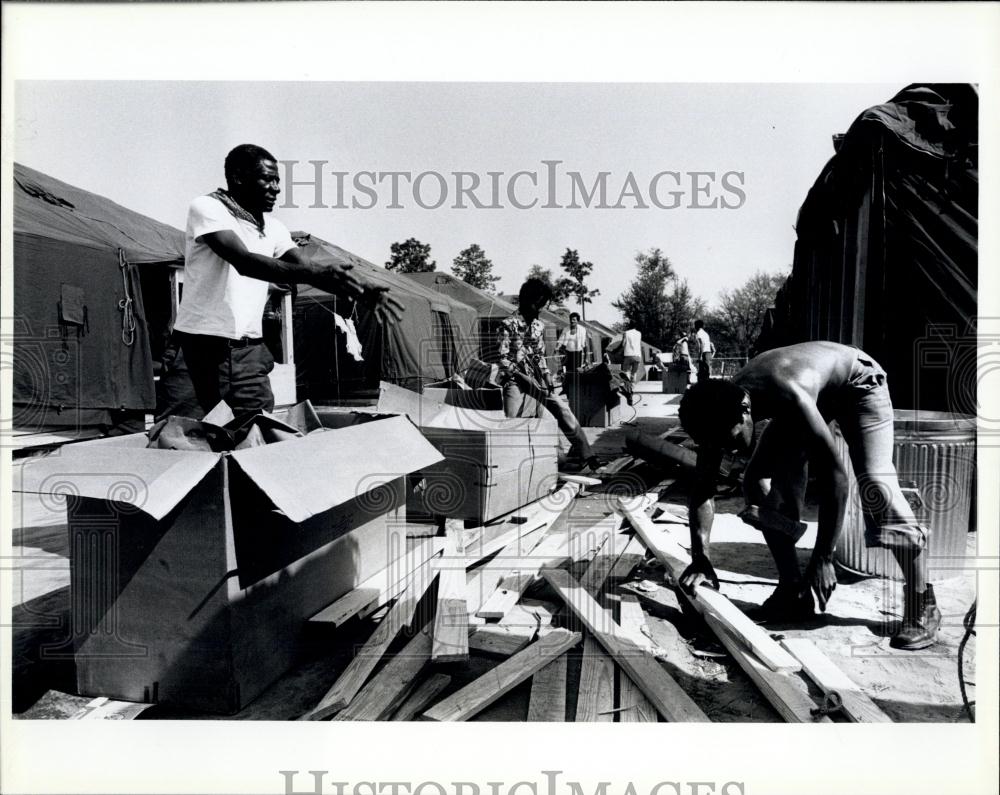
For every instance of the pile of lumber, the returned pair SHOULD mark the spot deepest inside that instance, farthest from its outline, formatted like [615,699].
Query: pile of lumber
[476,588]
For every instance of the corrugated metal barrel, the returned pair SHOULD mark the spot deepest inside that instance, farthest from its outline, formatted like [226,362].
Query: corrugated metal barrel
[937,452]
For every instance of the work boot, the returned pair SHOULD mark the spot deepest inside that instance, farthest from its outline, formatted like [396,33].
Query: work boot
[921,619]
[789,604]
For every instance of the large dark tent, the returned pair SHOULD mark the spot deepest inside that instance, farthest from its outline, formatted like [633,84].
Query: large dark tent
[887,253]
[434,340]
[82,345]
[492,309]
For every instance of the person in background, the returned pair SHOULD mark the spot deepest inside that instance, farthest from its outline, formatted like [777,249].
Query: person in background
[573,343]
[682,360]
[523,370]
[232,251]
[704,351]
[801,389]
[632,354]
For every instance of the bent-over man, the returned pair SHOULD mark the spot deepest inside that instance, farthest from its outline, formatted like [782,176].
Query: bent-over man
[801,388]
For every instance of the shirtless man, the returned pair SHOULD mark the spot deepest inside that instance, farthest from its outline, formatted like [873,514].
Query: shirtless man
[801,388]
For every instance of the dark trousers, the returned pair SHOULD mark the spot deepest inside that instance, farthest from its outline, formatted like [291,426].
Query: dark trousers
[514,391]
[230,370]
[573,361]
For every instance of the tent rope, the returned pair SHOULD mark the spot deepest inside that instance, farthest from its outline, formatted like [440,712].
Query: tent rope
[126,303]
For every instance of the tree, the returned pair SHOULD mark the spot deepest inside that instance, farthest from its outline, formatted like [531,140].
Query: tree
[472,267]
[562,288]
[657,303]
[410,256]
[737,323]
[577,273]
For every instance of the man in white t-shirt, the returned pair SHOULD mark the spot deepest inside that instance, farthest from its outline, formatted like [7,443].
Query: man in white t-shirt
[232,251]
[704,349]
[573,343]
[631,353]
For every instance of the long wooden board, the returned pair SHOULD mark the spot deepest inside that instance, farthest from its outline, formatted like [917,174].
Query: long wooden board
[548,692]
[384,693]
[357,671]
[786,692]
[633,707]
[595,700]
[857,706]
[422,697]
[380,588]
[482,692]
[451,619]
[708,601]
[550,552]
[659,687]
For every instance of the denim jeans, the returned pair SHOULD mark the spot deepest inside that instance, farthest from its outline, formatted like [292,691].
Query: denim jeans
[518,386]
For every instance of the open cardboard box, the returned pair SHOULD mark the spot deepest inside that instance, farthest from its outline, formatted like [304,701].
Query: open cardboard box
[193,573]
[492,465]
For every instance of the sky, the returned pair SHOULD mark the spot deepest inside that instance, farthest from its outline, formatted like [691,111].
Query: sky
[155,145]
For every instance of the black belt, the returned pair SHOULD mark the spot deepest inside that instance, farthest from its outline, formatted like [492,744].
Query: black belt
[245,342]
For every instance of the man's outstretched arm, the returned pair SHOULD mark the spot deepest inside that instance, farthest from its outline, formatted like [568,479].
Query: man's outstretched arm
[701,515]
[295,267]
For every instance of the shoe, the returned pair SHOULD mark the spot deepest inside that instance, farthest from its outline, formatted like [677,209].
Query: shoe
[787,605]
[921,619]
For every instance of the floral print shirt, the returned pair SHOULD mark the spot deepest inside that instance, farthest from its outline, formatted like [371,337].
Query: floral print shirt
[521,346]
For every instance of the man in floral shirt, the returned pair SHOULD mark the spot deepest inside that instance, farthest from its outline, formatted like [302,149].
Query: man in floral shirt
[524,371]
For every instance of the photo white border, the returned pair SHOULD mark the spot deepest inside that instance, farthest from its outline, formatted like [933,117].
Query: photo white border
[738,42]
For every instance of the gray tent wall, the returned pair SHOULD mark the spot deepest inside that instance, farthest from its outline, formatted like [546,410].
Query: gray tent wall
[436,337]
[887,251]
[82,346]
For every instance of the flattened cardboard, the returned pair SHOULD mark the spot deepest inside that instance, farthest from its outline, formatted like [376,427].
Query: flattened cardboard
[305,477]
[152,481]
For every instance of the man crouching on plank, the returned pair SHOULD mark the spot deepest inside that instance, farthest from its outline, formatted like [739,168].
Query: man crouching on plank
[801,388]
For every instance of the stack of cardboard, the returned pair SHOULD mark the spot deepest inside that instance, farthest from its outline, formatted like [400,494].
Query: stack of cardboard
[193,573]
[492,465]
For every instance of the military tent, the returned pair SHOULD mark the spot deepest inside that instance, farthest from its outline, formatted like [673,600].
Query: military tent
[435,339]
[492,309]
[887,251]
[81,338]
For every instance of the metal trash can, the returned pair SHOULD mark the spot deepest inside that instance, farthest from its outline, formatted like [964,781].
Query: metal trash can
[936,451]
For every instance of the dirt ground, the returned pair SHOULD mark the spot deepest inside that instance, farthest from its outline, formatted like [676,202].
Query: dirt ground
[854,632]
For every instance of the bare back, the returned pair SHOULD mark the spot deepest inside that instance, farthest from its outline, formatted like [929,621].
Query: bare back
[818,369]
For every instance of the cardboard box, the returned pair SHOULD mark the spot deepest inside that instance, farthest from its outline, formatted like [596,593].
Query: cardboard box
[492,465]
[193,573]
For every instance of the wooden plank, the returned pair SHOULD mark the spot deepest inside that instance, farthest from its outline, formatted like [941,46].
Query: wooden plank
[595,700]
[857,706]
[478,695]
[496,641]
[555,550]
[540,512]
[708,601]
[377,590]
[383,694]
[548,692]
[358,670]
[582,480]
[485,579]
[550,552]
[633,706]
[659,687]
[786,692]
[633,554]
[422,697]
[451,619]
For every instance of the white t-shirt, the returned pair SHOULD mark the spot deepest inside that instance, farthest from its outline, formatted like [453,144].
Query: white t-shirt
[703,343]
[633,343]
[574,341]
[217,300]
